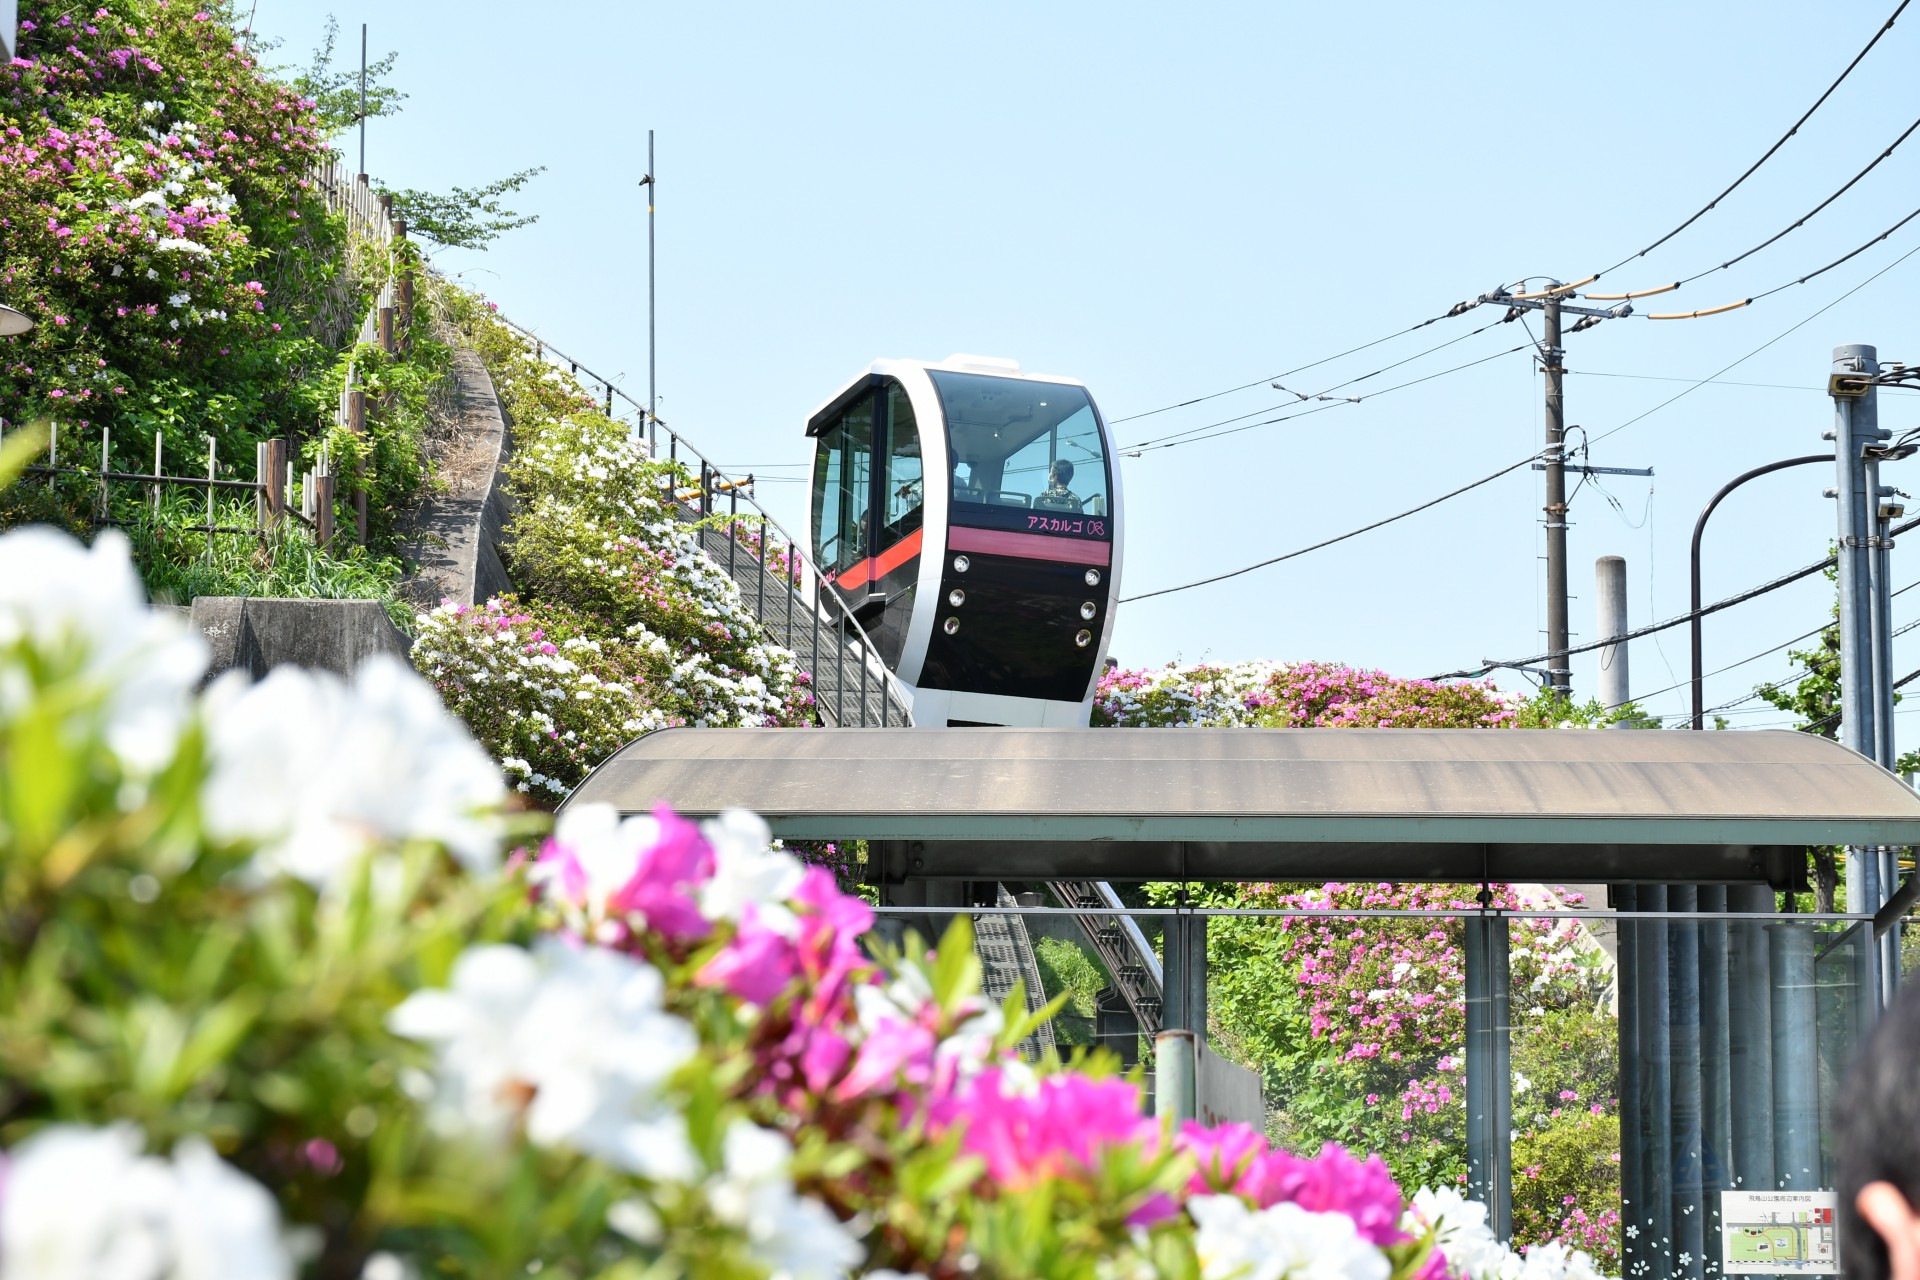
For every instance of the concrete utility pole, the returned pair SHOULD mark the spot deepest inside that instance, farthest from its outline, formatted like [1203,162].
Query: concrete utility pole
[1553,357]
[1610,591]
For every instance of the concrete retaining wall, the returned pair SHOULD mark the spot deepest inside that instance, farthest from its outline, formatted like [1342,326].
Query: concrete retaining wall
[254,634]
[456,536]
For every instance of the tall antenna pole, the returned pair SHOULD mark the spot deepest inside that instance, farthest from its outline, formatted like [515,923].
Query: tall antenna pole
[363,97]
[652,186]
[1559,674]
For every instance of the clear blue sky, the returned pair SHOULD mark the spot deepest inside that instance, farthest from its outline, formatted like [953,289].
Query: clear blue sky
[1167,201]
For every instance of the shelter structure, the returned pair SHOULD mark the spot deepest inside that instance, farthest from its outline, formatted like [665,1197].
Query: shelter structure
[1732,1014]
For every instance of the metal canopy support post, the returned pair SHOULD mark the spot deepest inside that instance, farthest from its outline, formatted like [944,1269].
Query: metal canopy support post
[1652,1115]
[1625,900]
[1716,1101]
[1176,1054]
[1750,1042]
[1489,1070]
[1683,1038]
[1796,1084]
[1184,973]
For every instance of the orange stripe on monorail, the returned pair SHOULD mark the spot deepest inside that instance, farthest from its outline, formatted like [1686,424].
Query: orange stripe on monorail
[1029,546]
[873,568]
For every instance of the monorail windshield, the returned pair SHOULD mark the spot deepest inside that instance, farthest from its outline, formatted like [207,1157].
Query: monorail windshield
[1026,455]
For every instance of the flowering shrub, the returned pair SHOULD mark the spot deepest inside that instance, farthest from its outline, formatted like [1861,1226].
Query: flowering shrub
[1292,695]
[625,624]
[271,1001]
[158,226]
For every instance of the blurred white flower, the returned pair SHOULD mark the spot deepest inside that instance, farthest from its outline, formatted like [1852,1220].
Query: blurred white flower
[81,1203]
[1284,1242]
[794,1237]
[747,871]
[318,770]
[1460,1233]
[84,614]
[573,1040]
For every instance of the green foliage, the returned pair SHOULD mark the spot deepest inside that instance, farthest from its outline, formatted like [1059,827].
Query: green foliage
[1556,709]
[1068,973]
[465,218]
[336,91]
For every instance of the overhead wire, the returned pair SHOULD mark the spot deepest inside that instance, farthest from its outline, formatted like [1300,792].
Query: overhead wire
[1246,386]
[1755,166]
[1342,537]
[1787,579]
[1179,438]
[1770,240]
[1682,394]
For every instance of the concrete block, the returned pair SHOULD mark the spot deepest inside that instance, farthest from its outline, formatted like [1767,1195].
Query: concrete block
[255,635]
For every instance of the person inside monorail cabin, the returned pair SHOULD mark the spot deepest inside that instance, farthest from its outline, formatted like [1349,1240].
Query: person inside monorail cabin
[1879,1149]
[1057,496]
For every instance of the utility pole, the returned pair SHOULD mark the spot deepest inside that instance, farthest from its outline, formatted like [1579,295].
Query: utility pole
[1551,302]
[1856,431]
[652,398]
[1553,357]
[363,99]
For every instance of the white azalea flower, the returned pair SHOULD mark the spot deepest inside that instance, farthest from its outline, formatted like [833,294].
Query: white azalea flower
[82,611]
[1284,1242]
[747,870]
[80,1203]
[794,1237]
[573,1040]
[318,770]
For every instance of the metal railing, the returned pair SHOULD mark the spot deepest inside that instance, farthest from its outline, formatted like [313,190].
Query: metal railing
[788,595]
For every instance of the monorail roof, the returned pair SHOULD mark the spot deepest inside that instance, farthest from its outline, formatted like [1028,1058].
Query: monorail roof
[1201,804]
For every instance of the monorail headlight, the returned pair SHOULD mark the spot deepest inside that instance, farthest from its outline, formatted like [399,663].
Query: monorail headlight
[1082,638]
[961,564]
[956,597]
[1088,609]
[950,626]
[1093,577]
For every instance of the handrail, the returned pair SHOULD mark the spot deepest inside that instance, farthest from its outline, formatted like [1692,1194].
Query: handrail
[807,581]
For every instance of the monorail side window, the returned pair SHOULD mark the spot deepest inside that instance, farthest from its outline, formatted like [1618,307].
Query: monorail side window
[905,495]
[842,488]
[1026,454]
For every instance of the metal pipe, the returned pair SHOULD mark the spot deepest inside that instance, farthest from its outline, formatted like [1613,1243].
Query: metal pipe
[1175,1064]
[1700,528]
[1625,899]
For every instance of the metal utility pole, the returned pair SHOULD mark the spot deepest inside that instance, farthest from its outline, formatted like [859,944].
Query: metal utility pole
[652,398]
[1552,356]
[363,99]
[1610,592]
[1856,431]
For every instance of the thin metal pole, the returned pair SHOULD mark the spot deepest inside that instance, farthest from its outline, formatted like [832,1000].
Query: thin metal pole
[1489,1073]
[1687,1192]
[363,98]
[1174,1055]
[1699,530]
[1559,674]
[652,396]
[1856,426]
[760,579]
[733,531]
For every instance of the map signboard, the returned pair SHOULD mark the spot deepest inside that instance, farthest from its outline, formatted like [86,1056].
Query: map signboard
[1774,1233]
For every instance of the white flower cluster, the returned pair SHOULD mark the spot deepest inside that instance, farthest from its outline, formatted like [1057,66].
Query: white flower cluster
[83,616]
[1473,1252]
[78,1203]
[318,770]
[1195,695]
[1285,1242]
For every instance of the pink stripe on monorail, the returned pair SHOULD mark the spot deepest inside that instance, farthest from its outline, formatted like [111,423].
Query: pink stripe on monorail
[1029,546]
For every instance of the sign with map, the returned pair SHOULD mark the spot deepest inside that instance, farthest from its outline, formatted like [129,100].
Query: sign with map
[1773,1233]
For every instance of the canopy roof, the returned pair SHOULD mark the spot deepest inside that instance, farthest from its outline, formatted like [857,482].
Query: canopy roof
[1435,804]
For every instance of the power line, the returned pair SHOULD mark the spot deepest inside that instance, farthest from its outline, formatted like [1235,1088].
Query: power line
[1215,395]
[1324,393]
[1351,533]
[1778,235]
[1747,302]
[1784,580]
[1762,347]
[1179,438]
[1654,377]
[1755,166]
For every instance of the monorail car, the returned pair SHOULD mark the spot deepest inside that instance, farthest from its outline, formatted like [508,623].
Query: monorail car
[970,513]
